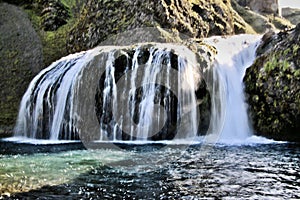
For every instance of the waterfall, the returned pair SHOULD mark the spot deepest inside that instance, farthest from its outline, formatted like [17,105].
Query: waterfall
[146,92]
[45,106]
[142,92]
[230,120]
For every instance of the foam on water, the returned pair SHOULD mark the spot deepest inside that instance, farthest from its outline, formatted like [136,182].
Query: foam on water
[20,139]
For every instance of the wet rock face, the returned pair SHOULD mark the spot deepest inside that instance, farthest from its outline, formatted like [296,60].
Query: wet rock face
[163,96]
[273,87]
[20,59]
[101,19]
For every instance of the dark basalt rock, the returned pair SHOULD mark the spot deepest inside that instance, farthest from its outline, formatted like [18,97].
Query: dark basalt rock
[273,86]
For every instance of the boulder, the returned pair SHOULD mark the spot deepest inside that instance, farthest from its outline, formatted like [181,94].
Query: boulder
[20,59]
[272,85]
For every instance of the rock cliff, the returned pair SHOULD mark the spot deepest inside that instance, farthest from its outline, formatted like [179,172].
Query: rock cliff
[264,7]
[100,19]
[273,86]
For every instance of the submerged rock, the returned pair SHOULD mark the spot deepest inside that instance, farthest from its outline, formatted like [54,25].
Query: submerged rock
[273,86]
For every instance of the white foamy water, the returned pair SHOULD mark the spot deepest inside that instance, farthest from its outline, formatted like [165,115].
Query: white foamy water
[27,140]
[230,120]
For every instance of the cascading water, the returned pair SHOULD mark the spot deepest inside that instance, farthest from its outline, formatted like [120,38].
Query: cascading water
[143,93]
[230,122]
[146,93]
[44,107]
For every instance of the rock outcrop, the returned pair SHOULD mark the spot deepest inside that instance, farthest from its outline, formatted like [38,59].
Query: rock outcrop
[20,59]
[261,22]
[273,86]
[100,70]
[101,19]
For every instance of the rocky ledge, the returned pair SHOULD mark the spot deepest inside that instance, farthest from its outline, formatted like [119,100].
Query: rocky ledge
[101,19]
[273,86]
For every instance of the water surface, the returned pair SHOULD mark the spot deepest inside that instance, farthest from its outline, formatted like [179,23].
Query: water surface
[255,171]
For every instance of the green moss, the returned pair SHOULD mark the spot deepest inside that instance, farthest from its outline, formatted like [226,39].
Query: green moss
[285,65]
[34,18]
[270,65]
[54,44]
[69,3]
[276,65]
[295,49]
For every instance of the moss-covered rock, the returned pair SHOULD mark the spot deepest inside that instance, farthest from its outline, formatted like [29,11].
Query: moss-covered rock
[54,14]
[53,19]
[273,86]
[280,23]
[20,59]
[102,18]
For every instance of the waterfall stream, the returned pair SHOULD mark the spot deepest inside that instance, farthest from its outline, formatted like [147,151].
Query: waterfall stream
[113,94]
[143,93]
[230,120]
